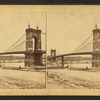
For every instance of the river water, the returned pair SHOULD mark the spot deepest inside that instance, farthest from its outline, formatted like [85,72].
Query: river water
[89,65]
[12,64]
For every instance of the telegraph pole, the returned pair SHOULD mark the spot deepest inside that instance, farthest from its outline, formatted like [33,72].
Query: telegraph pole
[3,63]
[70,63]
[46,53]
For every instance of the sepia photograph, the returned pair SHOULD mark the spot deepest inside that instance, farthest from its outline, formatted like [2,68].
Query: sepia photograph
[49,50]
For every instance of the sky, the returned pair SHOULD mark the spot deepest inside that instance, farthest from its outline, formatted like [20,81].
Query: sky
[67,26]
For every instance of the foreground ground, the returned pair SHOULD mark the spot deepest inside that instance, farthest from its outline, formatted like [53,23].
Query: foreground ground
[56,79]
[16,79]
[73,79]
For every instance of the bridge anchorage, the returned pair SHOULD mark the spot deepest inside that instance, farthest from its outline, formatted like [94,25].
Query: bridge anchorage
[33,57]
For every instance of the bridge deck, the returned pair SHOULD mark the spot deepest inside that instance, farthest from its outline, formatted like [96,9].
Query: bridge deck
[20,52]
[69,54]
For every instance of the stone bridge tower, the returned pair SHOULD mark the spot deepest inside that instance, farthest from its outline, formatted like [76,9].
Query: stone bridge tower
[53,53]
[96,47]
[33,57]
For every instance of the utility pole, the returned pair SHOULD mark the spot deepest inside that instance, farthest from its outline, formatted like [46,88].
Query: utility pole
[3,63]
[46,54]
[70,64]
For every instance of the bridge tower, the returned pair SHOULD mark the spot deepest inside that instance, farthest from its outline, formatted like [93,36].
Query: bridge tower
[53,53]
[33,57]
[96,47]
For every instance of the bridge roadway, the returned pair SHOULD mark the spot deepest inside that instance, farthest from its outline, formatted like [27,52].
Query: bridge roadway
[21,52]
[70,54]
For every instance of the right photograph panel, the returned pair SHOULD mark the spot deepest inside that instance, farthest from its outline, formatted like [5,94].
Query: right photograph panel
[73,48]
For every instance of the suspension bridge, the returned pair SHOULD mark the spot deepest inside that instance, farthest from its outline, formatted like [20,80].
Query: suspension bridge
[33,55]
[91,46]
[24,45]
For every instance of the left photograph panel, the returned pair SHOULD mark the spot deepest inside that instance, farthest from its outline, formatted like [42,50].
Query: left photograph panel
[22,47]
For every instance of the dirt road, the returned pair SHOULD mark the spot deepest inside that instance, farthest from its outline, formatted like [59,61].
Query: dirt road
[16,79]
[73,79]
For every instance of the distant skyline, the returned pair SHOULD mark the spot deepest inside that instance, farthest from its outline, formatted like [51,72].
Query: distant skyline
[67,26]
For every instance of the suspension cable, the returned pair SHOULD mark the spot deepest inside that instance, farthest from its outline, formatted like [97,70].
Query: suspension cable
[17,45]
[82,43]
[19,40]
[84,46]
[15,42]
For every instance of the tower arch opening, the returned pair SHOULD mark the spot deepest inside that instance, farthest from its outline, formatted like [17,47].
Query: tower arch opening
[34,39]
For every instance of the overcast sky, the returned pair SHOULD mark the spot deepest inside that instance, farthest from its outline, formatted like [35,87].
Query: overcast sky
[67,26]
